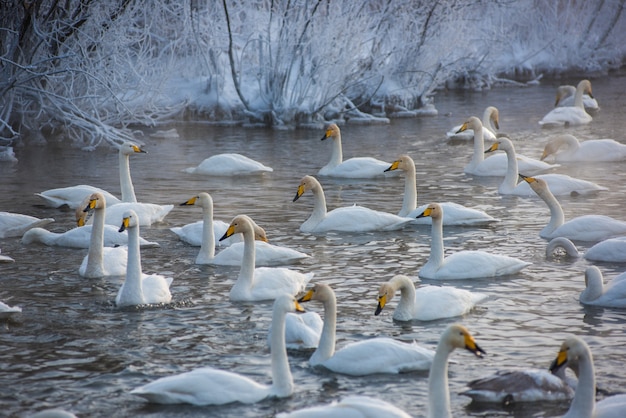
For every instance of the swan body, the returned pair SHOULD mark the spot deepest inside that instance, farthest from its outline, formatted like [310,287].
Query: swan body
[229,165]
[462,264]
[345,219]
[6,259]
[209,386]
[73,196]
[455,336]
[613,295]
[591,150]
[570,115]
[560,184]
[612,250]
[261,283]
[149,213]
[490,122]
[139,288]
[375,355]
[192,233]
[302,330]
[101,261]
[79,237]
[426,303]
[16,224]
[496,165]
[350,407]
[565,97]
[582,228]
[454,214]
[359,167]
[574,352]
[6,310]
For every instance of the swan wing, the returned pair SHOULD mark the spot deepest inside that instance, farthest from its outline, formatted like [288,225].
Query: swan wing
[436,302]
[301,330]
[454,214]
[15,224]
[612,250]
[360,219]
[114,261]
[567,115]
[270,281]
[590,228]
[477,264]
[148,213]
[359,167]
[74,196]
[156,288]
[266,254]
[350,407]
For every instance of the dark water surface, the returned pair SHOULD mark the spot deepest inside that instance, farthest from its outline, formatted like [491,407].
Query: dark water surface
[72,348]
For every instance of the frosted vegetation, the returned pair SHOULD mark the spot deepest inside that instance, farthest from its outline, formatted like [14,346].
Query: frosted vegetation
[87,71]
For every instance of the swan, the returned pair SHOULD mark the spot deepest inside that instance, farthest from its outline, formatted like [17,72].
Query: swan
[345,219]
[613,295]
[229,165]
[560,184]
[101,261]
[15,224]
[6,310]
[359,167]
[592,150]
[350,407]
[140,288]
[612,250]
[79,237]
[565,97]
[490,122]
[375,355]
[53,413]
[496,165]
[265,254]
[454,213]
[302,330]
[6,258]
[582,228]
[574,352]
[455,336]
[426,303]
[149,213]
[209,386]
[462,264]
[570,115]
[254,284]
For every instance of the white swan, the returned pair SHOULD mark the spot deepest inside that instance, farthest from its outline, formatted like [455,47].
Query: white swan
[53,413]
[490,123]
[582,228]
[374,355]
[350,407]
[149,213]
[570,115]
[140,288]
[345,219]
[426,303]
[565,97]
[79,237]
[229,165]
[454,214]
[560,184]
[462,264]
[261,283]
[6,258]
[593,150]
[575,352]
[302,330]
[209,386]
[611,295]
[358,167]
[101,261]
[6,311]
[15,224]
[496,165]
[455,336]
[612,250]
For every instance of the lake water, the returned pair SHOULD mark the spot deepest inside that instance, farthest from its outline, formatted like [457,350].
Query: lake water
[72,348]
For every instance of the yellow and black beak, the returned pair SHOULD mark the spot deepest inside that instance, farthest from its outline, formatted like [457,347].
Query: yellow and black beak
[472,347]
[427,212]
[190,202]
[527,179]
[492,148]
[393,166]
[559,361]
[299,192]
[124,226]
[382,301]
[229,232]
[327,135]
[299,307]
[307,296]
[462,128]
[136,148]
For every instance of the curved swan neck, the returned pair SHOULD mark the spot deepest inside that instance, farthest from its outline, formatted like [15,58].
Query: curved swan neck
[479,145]
[319,207]
[95,256]
[565,244]
[126,184]
[594,285]
[511,176]
[133,290]
[407,293]
[438,393]
[207,248]
[326,346]
[282,380]
[583,403]
[578,97]
[409,203]
[557,218]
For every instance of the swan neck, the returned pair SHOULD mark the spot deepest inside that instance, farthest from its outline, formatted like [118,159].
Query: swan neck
[436,244]
[95,256]
[326,346]
[511,176]
[207,248]
[132,288]
[282,381]
[407,294]
[126,184]
[438,393]
[336,157]
[246,275]
[409,203]
[479,146]
[584,396]
[578,97]
[319,208]
[557,218]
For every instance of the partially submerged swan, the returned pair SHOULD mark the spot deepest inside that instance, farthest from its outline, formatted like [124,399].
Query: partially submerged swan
[612,250]
[16,224]
[351,406]
[229,164]
[490,123]
[566,94]
[567,148]
[611,295]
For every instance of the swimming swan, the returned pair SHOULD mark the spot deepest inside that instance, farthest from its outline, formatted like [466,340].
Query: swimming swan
[374,355]
[261,283]
[582,228]
[455,336]
[591,150]
[454,214]
[565,97]
[611,295]
[345,219]
[575,352]
[140,288]
[209,386]
[16,224]
[490,122]
[496,165]
[351,406]
[570,115]
[359,167]
[426,303]
[560,184]
[101,261]
[229,164]
[612,250]
[79,237]
[462,264]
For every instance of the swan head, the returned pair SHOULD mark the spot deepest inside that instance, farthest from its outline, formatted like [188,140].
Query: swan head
[562,92]
[204,200]
[307,183]
[129,220]
[403,162]
[434,210]
[386,292]
[571,351]
[457,336]
[128,148]
[472,123]
[555,143]
[287,303]
[539,185]
[502,143]
[320,291]
[332,131]
[242,224]
[594,287]
[585,86]
[494,116]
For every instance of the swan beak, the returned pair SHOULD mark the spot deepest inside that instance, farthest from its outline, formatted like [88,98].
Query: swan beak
[124,224]
[190,202]
[528,180]
[471,346]
[496,123]
[462,128]
[91,205]
[298,307]
[382,301]
[137,149]
[559,361]
[307,296]
[230,231]
[427,212]
[299,193]
[80,221]
[544,155]
[327,135]
[492,148]
[393,166]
